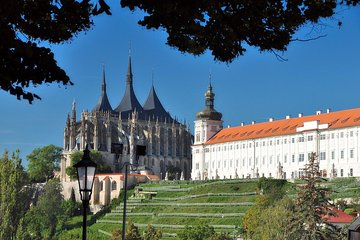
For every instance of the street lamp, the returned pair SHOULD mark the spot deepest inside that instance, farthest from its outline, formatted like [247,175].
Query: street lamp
[133,167]
[85,170]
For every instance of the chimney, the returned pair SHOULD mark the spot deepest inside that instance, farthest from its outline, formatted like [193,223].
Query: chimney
[328,110]
[287,117]
[271,119]
[242,124]
[229,126]
[300,115]
[318,112]
[253,122]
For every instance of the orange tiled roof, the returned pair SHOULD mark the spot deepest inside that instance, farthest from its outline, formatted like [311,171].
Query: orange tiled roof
[339,119]
[340,217]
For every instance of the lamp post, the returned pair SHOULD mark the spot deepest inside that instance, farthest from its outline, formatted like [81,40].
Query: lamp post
[133,168]
[85,170]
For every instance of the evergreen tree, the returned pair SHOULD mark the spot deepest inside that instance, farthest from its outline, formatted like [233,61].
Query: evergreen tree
[151,233]
[132,232]
[312,204]
[14,197]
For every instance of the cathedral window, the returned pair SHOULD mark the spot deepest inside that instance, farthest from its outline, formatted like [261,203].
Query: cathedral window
[113,186]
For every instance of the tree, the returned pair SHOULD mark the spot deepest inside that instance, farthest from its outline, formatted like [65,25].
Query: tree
[95,156]
[151,233]
[313,204]
[267,222]
[226,28]
[14,197]
[43,162]
[42,219]
[132,232]
[24,25]
[201,232]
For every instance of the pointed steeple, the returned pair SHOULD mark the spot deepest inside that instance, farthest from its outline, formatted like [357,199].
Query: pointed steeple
[153,106]
[129,101]
[103,102]
[129,75]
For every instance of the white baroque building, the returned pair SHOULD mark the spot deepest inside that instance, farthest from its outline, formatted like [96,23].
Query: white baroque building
[277,148]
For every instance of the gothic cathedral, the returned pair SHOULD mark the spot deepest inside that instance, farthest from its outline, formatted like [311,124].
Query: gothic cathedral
[143,134]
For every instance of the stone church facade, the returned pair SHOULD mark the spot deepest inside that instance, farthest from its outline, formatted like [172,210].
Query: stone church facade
[145,134]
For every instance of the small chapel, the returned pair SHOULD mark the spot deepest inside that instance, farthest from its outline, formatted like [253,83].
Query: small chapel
[145,135]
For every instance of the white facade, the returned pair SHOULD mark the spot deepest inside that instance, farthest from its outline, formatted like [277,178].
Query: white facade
[338,155]
[282,148]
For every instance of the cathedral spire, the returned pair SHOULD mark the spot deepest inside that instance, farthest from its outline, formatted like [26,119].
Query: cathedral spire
[73,116]
[129,75]
[103,103]
[103,86]
[129,101]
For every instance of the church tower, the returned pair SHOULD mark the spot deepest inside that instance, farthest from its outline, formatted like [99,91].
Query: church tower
[207,123]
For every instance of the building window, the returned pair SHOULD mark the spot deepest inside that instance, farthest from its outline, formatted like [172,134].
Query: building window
[310,138]
[249,145]
[263,143]
[224,148]
[198,137]
[322,136]
[351,133]
[301,139]
[197,166]
[292,140]
[285,140]
[197,151]
[207,150]
[351,153]
[341,172]
[237,162]
[256,160]
[270,143]
[270,160]
[342,154]
[244,162]
[244,145]
[224,163]
[301,157]
[230,163]
[249,161]
[333,135]
[263,160]
[342,134]
[218,164]
[231,147]
[113,186]
[322,155]
[278,158]
[278,142]
[237,146]
[285,158]
[351,172]
[257,144]
[293,158]
[333,154]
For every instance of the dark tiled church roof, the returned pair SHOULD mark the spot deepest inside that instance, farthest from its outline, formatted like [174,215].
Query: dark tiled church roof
[103,104]
[153,107]
[129,102]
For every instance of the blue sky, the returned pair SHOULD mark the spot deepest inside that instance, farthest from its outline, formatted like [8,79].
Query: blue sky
[319,74]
